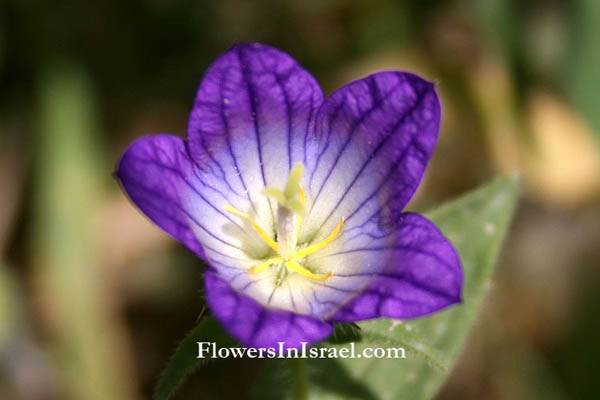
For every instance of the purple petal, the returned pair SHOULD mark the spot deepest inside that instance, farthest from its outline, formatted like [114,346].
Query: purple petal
[409,271]
[256,326]
[164,182]
[375,137]
[153,172]
[249,125]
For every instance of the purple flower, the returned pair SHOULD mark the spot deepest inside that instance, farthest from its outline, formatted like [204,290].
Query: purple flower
[295,200]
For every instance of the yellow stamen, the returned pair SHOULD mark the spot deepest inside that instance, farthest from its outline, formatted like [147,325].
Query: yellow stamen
[294,266]
[317,246]
[292,207]
[260,268]
[272,244]
[302,195]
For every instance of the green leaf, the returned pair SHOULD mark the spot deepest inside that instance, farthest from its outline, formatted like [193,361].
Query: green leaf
[184,361]
[386,333]
[476,224]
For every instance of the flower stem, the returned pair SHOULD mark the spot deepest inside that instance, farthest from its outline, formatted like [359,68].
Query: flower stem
[299,379]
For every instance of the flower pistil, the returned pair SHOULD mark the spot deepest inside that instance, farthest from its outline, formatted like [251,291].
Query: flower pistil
[291,208]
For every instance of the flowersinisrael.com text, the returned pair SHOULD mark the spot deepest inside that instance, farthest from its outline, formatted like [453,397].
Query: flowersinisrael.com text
[210,350]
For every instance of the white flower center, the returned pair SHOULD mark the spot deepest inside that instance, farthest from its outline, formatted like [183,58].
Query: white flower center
[291,207]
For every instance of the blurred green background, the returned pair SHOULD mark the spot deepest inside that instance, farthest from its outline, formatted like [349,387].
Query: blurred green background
[93,297]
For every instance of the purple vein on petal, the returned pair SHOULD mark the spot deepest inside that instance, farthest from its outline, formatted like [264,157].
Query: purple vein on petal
[377,100]
[411,282]
[291,296]
[272,294]
[214,162]
[331,118]
[241,56]
[371,158]
[288,115]
[308,128]
[178,173]
[228,140]
[185,212]
[212,249]
[384,248]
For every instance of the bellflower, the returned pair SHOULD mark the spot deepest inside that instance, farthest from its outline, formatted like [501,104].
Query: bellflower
[295,201]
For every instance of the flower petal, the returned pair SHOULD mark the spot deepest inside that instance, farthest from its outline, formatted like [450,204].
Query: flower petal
[256,326]
[250,121]
[375,137]
[408,271]
[153,172]
[165,183]
[162,180]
